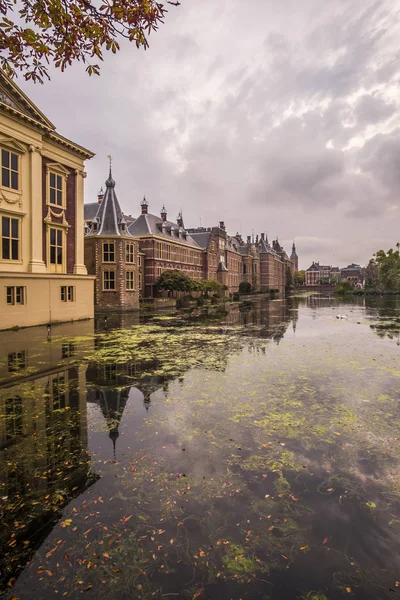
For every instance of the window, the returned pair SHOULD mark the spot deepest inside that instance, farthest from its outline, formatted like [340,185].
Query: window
[168,252]
[110,371]
[10,238]
[56,247]
[130,253]
[14,418]
[16,361]
[108,280]
[9,169]
[159,271]
[67,350]
[140,282]
[130,280]
[109,252]
[67,293]
[140,260]
[56,189]
[158,250]
[15,295]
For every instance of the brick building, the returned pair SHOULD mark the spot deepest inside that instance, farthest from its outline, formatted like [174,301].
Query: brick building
[352,273]
[112,254]
[318,274]
[221,259]
[165,246]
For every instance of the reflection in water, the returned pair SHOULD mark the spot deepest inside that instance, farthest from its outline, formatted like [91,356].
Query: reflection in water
[229,452]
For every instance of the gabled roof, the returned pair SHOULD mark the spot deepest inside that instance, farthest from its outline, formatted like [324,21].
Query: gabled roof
[314,267]
[147,224]
[14,101]
[109,219]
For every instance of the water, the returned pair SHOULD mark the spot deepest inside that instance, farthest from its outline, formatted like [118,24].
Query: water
[251,452]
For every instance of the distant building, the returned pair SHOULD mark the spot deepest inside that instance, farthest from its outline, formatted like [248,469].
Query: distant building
[352,273]
[318,274]
[200,252]
[294,259]
[112,254]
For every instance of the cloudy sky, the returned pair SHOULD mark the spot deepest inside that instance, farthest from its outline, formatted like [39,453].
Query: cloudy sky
[278,116]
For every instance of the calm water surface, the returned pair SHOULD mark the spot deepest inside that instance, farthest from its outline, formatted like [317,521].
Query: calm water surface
[249,453]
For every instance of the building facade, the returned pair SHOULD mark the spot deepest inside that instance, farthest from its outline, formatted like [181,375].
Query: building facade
[353,273]
[112,254]
[43,278]
[221,260]
[318,274]
[164,246]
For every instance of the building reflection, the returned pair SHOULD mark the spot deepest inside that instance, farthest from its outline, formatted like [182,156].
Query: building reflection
[44,459]
[46,383]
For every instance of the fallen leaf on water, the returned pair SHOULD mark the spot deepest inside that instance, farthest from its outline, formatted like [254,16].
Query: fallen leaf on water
[88,587]
[171,541]
[337,433]
[66,523]
[199,593]
[325,540]
[348,590]
[397,583]
[303,547]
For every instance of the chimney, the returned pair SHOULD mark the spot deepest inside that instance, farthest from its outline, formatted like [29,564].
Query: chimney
[163,213]
[179,220]
[262,236]
[222,225]
[100,196]
[249,239]
[144,204]
[257,238]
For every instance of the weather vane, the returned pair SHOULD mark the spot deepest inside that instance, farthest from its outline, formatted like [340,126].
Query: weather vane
[110,159]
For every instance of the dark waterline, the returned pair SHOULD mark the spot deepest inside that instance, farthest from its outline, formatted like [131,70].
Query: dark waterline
[246,451]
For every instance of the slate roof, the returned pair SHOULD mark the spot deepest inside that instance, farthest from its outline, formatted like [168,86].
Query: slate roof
[90,210]
[148,224]
[314,267]
[202,238]
[109,219]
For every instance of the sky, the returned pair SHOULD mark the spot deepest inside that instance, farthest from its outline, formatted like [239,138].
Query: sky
[275,116]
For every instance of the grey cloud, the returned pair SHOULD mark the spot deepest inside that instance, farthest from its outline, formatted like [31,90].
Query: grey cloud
[371,109]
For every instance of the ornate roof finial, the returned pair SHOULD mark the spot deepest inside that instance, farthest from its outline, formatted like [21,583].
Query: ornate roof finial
[110,181]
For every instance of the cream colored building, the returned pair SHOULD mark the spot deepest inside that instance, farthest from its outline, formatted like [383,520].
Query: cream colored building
[43,278]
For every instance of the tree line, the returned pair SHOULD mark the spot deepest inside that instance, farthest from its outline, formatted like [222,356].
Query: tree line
[383,271]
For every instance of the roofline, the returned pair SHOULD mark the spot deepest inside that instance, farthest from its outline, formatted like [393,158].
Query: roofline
[157,237]
[8,81]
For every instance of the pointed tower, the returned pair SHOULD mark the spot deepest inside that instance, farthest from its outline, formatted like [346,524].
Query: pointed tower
[294,259]
[112,255]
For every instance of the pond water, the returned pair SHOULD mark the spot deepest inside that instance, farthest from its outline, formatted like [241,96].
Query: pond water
[244,452]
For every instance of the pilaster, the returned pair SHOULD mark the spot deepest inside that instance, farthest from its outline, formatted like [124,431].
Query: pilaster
[36,264]
[79,267]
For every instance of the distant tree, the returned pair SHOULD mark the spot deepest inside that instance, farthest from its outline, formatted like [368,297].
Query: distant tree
[388,269]
[299,277]
[344,287]
[65,31]
[244,287]
[174,281]
[289,279]
[372,275]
